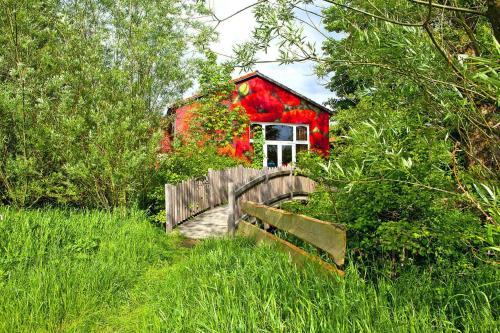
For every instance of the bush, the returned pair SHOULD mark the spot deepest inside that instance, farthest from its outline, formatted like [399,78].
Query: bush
[185,162]
[390,180]
[80,110]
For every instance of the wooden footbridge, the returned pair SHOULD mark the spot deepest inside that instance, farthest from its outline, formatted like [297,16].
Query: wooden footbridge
[216,204]
[201,207]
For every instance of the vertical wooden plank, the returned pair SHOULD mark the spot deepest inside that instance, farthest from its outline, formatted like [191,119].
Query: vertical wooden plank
[180,200]
[188,198]
[219,188]
[193,198]
[203,190]
[211,188]
[266,186]
[174,204]
[214,190]
[168,208]
[223,185]
[186,205]
[222,188]
[188,202]
[207,202]
[200,196]
[260,195]
[232,207]
[184,200]
[240,175]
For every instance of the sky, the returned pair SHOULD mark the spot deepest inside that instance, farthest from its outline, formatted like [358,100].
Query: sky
[299,76]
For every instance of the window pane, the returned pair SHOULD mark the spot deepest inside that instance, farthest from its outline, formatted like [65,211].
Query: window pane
[299,148]
[286,154]
[279,132]
[254,128]
[301,133]
[272,155]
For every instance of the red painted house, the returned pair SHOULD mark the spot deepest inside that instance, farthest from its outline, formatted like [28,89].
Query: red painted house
[290,121]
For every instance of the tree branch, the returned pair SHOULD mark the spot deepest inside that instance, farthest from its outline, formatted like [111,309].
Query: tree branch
[464,190]
[457,9]
[219,21]
[445,54]
[383,18]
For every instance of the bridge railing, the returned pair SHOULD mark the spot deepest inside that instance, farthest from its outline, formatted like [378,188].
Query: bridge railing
[193,196]
[325,236]
[265,189]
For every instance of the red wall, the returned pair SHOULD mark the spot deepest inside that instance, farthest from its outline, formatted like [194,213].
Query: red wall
[267,102]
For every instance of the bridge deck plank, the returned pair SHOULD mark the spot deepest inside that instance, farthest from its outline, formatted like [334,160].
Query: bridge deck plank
[212,223]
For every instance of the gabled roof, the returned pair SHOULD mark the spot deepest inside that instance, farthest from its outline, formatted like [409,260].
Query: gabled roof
[251,75]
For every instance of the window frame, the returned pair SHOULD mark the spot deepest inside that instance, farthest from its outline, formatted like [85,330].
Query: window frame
[278,143]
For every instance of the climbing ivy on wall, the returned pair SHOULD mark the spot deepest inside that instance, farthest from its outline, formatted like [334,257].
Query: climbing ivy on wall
[258,147]
[208,120]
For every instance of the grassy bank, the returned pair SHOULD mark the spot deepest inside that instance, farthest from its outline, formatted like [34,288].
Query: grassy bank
[95,271]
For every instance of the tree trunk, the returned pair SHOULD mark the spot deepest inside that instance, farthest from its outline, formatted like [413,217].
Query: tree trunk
[493,14]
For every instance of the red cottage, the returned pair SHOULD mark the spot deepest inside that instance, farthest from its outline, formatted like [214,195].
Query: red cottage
[290,121]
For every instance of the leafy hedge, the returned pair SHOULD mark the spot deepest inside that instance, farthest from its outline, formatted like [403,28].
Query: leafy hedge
[391,181]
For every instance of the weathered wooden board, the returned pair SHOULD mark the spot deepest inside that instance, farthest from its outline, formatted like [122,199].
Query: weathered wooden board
[325,236]
[297,255]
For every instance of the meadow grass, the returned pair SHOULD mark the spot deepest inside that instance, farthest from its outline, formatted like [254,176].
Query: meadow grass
[68,271]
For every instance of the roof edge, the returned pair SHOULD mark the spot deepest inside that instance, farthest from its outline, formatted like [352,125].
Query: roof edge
[251,75]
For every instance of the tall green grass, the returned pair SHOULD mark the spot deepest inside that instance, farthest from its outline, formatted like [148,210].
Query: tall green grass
[234,286]
[93,271]
[61,270]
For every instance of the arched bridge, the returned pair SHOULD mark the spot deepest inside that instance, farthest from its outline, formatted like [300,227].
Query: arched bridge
[211,206]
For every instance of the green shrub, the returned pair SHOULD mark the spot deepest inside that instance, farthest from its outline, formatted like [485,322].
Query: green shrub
[390,180]
[81,98]
[185,162]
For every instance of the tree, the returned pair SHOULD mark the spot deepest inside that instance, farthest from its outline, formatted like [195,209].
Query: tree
[83,87]
[421,130]
[439,57]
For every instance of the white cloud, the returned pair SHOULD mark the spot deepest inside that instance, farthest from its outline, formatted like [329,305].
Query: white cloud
[238,29]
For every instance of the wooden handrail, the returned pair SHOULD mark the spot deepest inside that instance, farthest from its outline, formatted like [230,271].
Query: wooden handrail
[259,180]
[329,237]
[235,193]
[297,255]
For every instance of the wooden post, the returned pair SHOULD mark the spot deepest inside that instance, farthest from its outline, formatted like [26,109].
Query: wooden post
[168,208]
[231,223]
[291,188]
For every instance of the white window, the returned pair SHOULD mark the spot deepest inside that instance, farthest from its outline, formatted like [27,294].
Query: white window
[282,142]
